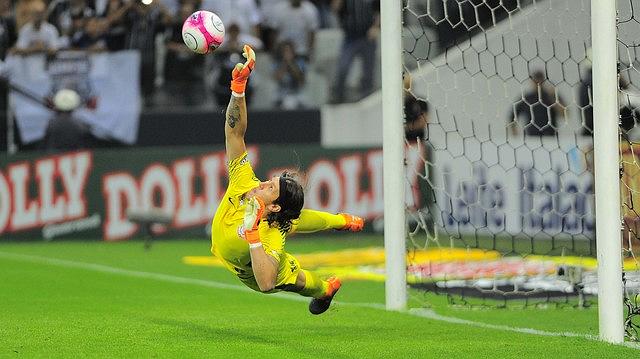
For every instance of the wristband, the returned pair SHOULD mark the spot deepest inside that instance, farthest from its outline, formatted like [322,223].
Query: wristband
[252,236]
[255,245]
[235,94]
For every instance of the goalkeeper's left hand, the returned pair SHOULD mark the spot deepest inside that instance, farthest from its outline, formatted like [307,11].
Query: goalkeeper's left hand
[252,214]
[352,223]
[241,72]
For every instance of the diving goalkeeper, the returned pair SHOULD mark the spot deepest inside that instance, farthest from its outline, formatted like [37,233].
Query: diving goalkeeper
[251,223]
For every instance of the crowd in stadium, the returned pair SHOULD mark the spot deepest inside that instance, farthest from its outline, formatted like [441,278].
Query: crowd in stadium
[283,30]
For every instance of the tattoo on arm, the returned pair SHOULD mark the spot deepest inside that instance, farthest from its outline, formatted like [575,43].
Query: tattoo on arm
[233,113]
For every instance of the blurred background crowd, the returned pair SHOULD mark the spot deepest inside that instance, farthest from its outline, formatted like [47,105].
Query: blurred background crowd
[311,52]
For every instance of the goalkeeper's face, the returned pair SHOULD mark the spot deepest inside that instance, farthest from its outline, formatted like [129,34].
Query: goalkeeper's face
[268,192]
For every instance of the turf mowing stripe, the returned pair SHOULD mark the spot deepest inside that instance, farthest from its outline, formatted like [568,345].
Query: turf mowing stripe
[423,313]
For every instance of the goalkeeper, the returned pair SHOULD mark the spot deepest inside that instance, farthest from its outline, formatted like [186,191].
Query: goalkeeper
[250,225]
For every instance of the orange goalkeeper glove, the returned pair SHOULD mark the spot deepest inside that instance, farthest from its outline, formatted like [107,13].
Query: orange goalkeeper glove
[241,72]
[252,214]
[352,223]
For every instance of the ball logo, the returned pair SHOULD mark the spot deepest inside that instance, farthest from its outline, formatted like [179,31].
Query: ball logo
[190,41]
[217,23]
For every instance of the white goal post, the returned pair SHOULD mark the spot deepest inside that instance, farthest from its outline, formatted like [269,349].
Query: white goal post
[393,154]
[606,162]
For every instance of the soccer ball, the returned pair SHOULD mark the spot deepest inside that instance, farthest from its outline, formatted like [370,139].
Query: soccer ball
[203,32]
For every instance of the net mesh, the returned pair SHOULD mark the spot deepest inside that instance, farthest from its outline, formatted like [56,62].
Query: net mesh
[628,98]
[500,198]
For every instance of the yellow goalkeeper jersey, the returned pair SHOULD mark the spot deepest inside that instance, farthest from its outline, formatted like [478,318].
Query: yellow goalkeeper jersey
[226,244]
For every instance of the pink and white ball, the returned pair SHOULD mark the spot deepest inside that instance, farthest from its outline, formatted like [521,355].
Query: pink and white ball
[203,32]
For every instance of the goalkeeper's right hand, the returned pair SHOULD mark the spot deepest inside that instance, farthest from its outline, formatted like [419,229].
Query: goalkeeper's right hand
[241,72]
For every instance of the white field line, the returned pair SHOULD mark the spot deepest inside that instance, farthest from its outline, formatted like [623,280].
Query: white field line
[423,313]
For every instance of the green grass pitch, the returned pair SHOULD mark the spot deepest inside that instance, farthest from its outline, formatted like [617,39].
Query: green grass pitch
[116,300]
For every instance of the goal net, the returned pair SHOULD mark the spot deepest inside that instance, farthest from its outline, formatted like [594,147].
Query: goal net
[500,187]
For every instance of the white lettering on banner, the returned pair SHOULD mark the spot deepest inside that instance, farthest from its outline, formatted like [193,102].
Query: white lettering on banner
[324,188]
[175,189]
[83,224]
[341,185]
[52,190]
[120,191]
[158,179]
[355,200]
[190,207]
[52,207]
[20,211]
[5,203]
[212,169]
[74,169]
[25,211]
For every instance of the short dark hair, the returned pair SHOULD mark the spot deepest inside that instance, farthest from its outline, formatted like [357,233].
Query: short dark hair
[413,108]
[290,200]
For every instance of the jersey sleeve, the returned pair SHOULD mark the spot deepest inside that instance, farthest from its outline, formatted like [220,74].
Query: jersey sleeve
[272,240]
[241,176]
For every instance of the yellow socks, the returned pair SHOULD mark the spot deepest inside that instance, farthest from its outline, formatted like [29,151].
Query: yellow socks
[314,221]
[314,286]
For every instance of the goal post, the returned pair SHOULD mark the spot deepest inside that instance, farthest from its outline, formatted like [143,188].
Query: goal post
[606,172]
[393,155]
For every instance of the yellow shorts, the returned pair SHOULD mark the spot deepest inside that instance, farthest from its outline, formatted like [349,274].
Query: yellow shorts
[288,270]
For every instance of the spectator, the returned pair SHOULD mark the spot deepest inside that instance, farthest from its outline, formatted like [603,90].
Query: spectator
[415,114]
[100,7]
[8,38]
[326,17]
[416,119]
[22,12]
[267,32]
[242,12]
[147,21]
[289,75]
[360,20]
[91,36]
[65,131]
[295,21]
[235,39]
[37,35]
[416,123]
[181,63]
[8,33]
[629,112]
[69,17]
[628,108]
[538,109]
[224,59]
[118,24]
[183,69]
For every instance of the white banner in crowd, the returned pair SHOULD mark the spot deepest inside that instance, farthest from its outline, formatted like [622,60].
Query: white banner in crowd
[109,79]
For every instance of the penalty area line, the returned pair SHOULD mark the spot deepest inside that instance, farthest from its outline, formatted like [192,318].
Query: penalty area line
[417,312]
